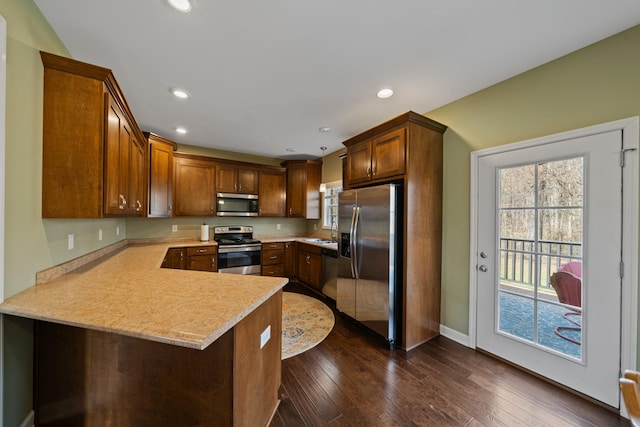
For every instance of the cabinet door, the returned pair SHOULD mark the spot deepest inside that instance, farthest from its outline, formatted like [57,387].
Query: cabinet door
[303,265]
[174,259]
[194,190]
[388,157]
[273,193]
[310,268]
[296,190]
[116,165]
[160,180]
[247,181]
[226,179]
[315,271]
[359,162]
[290,255]
[202,263]
[137,204]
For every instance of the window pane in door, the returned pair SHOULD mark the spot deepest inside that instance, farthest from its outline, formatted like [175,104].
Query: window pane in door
[540,211]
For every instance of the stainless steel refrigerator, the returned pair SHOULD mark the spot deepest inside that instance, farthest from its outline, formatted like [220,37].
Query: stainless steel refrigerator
[369,257]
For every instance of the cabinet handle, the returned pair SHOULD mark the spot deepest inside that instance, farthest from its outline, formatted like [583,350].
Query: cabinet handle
[202,250]
[368,171]
[213,260]
[290,211]
[273,257]
[308,259]
[374,170]
[139,205]
[123,202]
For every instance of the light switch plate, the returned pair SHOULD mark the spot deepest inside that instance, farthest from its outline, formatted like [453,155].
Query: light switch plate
[265,336]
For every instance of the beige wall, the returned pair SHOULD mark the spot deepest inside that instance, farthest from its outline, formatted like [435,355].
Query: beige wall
[594,85]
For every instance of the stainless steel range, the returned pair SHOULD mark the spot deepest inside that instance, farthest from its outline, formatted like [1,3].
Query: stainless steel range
[238,251]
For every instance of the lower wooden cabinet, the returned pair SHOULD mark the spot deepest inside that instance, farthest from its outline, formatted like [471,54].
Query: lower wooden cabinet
[273,259]
[290,258]
[201,258]
[310,265]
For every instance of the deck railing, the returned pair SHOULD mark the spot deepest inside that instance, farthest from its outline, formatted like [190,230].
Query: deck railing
[518,258]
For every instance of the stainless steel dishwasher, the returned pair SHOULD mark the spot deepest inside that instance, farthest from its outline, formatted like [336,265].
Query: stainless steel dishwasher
[330,272]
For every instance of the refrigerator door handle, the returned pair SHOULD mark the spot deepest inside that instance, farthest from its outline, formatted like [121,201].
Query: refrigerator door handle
[354,234]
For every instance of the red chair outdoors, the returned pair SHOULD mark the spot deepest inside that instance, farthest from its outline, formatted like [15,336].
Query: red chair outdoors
[567,282]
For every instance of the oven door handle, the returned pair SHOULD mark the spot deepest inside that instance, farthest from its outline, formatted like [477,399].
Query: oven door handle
[240,248]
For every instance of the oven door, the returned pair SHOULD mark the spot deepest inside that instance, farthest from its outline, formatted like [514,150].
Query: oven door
[242,259]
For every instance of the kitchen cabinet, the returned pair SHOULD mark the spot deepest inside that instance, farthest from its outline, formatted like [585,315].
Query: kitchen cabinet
[194,186]
[160,176]
[231,178]
[202,258]
[377,159]
[408,150]
[273,259]
[290,259]
[272,197]
[93,152]
[310,265]
[303,188]
[175,258]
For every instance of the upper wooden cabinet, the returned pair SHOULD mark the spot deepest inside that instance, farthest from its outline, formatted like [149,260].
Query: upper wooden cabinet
[160,176]
[272,197]
[232,178]
[93,152]
[377,159]
[303,188]
[194,186]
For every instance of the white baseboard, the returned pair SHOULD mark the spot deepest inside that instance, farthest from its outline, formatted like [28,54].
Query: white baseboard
[454,335]
[29,421]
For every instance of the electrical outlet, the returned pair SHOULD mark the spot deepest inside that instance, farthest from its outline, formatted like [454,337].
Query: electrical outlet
[174,228]
[265,336]
[117,231]
[100,234]
[315,226]
[70,242]
[277,226]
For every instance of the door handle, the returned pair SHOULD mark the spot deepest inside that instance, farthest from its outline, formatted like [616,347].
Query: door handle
[483,268]
[483,255]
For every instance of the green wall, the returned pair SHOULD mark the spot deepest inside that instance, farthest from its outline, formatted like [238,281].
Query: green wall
[597,84]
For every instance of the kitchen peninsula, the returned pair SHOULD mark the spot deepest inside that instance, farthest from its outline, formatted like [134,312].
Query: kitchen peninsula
[121,341]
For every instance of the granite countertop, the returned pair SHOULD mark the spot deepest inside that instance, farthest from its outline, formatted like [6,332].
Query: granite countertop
[129,294]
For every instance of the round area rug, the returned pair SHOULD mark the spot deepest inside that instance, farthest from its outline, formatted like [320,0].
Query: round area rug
[305,323]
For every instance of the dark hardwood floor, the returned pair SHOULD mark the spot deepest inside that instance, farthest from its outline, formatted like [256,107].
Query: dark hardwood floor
[353,379]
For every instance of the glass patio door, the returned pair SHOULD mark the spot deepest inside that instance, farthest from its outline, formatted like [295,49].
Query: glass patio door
[549,243]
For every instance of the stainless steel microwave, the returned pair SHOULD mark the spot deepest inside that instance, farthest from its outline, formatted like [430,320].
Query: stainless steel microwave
[231,204]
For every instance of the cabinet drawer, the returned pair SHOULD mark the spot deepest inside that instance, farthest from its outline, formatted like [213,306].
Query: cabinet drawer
[201,250]
[273,270]
[271,246]
[270,257]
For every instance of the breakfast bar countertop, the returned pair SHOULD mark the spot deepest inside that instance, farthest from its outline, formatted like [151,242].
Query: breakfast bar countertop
[127,293]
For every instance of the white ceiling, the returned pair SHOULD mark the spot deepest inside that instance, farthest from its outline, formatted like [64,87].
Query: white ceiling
[265,75]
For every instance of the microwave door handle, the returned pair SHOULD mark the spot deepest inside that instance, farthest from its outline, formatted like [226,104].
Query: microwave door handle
[354,233]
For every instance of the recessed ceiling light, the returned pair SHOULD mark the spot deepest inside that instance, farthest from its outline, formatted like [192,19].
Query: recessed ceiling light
[324,129]
[180,5]
[290,150]
[385,93]
[179,93]
[181,130]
